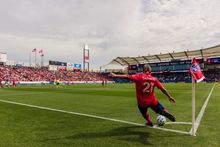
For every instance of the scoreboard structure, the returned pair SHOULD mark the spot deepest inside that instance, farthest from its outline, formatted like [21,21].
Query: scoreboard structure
[86,58]
[57,65]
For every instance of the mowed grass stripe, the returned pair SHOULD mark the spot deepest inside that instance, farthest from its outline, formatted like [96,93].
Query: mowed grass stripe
[95,116]
[81,131]
[34,127]
[111,105]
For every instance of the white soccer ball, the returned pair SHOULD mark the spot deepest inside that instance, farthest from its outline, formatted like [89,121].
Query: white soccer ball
[161,120]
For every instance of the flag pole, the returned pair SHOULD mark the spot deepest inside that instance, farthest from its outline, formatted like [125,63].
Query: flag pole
[30,59]
[197,76]
[193,106]
[35,59]
[42,60]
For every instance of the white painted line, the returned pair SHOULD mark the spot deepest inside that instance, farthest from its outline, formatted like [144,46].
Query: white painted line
[201,113]
[170,130]
[93,116]
[179,123]
[25,93]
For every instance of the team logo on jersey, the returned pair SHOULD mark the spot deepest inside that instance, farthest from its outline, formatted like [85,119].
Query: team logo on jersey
[195,68]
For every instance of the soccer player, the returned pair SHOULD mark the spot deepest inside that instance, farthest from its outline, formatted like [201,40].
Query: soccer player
[57,82]
[13,83]
[145,84]
[103,82]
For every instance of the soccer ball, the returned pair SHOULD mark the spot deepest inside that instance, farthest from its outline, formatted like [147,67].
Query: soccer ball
[161,120]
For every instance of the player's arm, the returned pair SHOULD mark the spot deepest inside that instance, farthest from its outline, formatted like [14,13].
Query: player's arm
[119,75]
[160,86]
[171,99]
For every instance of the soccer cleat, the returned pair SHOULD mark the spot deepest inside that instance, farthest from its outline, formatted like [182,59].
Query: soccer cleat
[149,124]
[169,116]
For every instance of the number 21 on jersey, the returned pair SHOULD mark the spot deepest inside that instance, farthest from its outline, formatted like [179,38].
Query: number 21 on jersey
[148,87]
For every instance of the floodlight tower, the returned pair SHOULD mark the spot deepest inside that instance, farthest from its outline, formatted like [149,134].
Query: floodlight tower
[86,58]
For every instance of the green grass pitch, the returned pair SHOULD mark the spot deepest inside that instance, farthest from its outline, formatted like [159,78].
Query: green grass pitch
[23,126]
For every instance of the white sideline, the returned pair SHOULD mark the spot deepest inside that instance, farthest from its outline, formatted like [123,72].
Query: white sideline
[20,94]
[200,115]
[93,116]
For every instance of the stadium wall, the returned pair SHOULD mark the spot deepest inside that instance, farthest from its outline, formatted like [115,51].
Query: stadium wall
[62,82]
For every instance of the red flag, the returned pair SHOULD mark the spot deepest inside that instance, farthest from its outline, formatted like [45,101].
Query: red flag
[195,71]
[34,50]
[40,51]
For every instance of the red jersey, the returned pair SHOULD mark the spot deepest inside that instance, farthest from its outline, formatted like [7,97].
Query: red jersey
[145,84]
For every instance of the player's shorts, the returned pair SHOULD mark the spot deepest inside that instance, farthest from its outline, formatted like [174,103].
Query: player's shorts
[157,108]
[57,83]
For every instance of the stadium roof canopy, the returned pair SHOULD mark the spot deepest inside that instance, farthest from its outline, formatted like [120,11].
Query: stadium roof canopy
[112,66]
[201,53]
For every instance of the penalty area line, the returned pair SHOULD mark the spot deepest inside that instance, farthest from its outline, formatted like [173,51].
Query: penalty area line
[94,116]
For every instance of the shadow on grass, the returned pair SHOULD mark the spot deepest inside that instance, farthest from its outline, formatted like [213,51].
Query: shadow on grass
[128,134]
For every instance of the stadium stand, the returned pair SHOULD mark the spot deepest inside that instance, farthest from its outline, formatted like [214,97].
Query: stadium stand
[169,67]
[173,67]
[13,73]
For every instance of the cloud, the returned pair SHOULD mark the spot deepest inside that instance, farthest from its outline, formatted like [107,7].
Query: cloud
[111,28]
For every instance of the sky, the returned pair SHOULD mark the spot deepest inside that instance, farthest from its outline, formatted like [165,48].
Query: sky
[110,28]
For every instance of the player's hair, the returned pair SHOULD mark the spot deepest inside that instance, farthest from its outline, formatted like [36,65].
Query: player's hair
[147,68]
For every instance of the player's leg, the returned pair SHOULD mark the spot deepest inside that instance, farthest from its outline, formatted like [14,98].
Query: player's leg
[146,115]
[162,111]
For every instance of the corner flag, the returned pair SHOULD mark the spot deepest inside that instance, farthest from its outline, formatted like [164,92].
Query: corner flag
[195,71]
[197,76]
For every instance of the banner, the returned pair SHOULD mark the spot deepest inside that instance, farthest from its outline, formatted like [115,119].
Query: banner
[53,68]
[70,67]
[3,57]
[77,66]
[86,54]
[57,63]
[62,68]
[86,58]
[195,71]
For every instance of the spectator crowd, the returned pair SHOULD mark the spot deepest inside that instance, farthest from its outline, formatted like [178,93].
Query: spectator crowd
[174,77]
[210,76]
[12,73]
